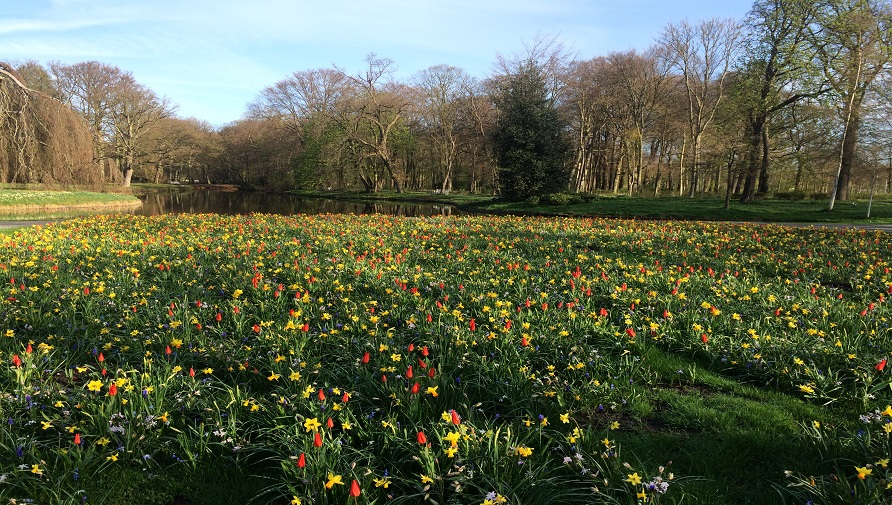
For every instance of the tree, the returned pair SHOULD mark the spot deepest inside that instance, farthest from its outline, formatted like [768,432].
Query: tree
[529,135]
[36,77]
[852,41]
[88,88]
[41,139]
[135,111]
[775,74]
[443,88]
[639,81]
[372,113]
[703,54]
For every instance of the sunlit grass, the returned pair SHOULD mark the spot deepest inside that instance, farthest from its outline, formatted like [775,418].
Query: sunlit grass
[13,201]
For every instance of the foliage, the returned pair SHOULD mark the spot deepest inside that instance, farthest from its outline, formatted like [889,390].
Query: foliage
[528,138]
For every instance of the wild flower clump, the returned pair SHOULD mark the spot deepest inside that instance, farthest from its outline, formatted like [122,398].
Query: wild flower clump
[364,358]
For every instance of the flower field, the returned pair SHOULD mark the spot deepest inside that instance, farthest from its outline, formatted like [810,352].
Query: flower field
[377,359]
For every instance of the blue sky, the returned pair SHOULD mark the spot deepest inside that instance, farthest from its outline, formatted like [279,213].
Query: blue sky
[213,57]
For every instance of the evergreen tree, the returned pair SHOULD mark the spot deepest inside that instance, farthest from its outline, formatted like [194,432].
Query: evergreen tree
[529,137]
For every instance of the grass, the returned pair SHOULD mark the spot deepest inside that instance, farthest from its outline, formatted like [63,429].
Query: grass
[544,360]
[701,208]
[24,201]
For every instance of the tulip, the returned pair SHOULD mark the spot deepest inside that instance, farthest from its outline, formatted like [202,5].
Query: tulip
[422,438]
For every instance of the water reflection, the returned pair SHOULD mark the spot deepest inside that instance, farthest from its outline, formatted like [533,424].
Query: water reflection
[246,202]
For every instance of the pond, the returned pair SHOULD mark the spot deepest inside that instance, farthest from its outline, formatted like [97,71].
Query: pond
[246,202]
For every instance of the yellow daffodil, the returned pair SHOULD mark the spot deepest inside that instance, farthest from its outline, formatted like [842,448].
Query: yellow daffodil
[333,480]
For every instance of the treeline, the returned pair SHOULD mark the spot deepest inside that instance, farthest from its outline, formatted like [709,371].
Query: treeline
[794,100]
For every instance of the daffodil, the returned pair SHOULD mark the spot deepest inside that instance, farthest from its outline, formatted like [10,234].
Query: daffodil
[312,424]
[332,480]
[863,471]
[633,479]
[523,451]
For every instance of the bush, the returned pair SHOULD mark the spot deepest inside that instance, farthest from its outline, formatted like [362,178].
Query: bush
[562,199]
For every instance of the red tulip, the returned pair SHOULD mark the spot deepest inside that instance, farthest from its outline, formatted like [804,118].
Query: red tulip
[329,423]
[431,372]
[317,440]
[191,372]
[704,338]
[167,350]
[630,332]
[301,460]
[422,438]
[113,389]
[101,358]
[321,396]
[16,360]
[424,351]
[354,489]
[29,349]
[345,397]
[473,325]
[365,358]
[415,388]
[409,372]
[77,439]
[456,420]
[881,365]
[524,342]
[219,317]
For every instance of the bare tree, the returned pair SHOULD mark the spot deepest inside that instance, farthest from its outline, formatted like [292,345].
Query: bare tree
[371,113]
[640,83]
[703,54]
[443,90]
[134,111]
[89,88]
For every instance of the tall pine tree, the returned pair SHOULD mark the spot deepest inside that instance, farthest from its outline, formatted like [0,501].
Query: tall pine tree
[529,137]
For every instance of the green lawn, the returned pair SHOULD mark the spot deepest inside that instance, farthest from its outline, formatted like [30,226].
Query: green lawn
[703,208]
